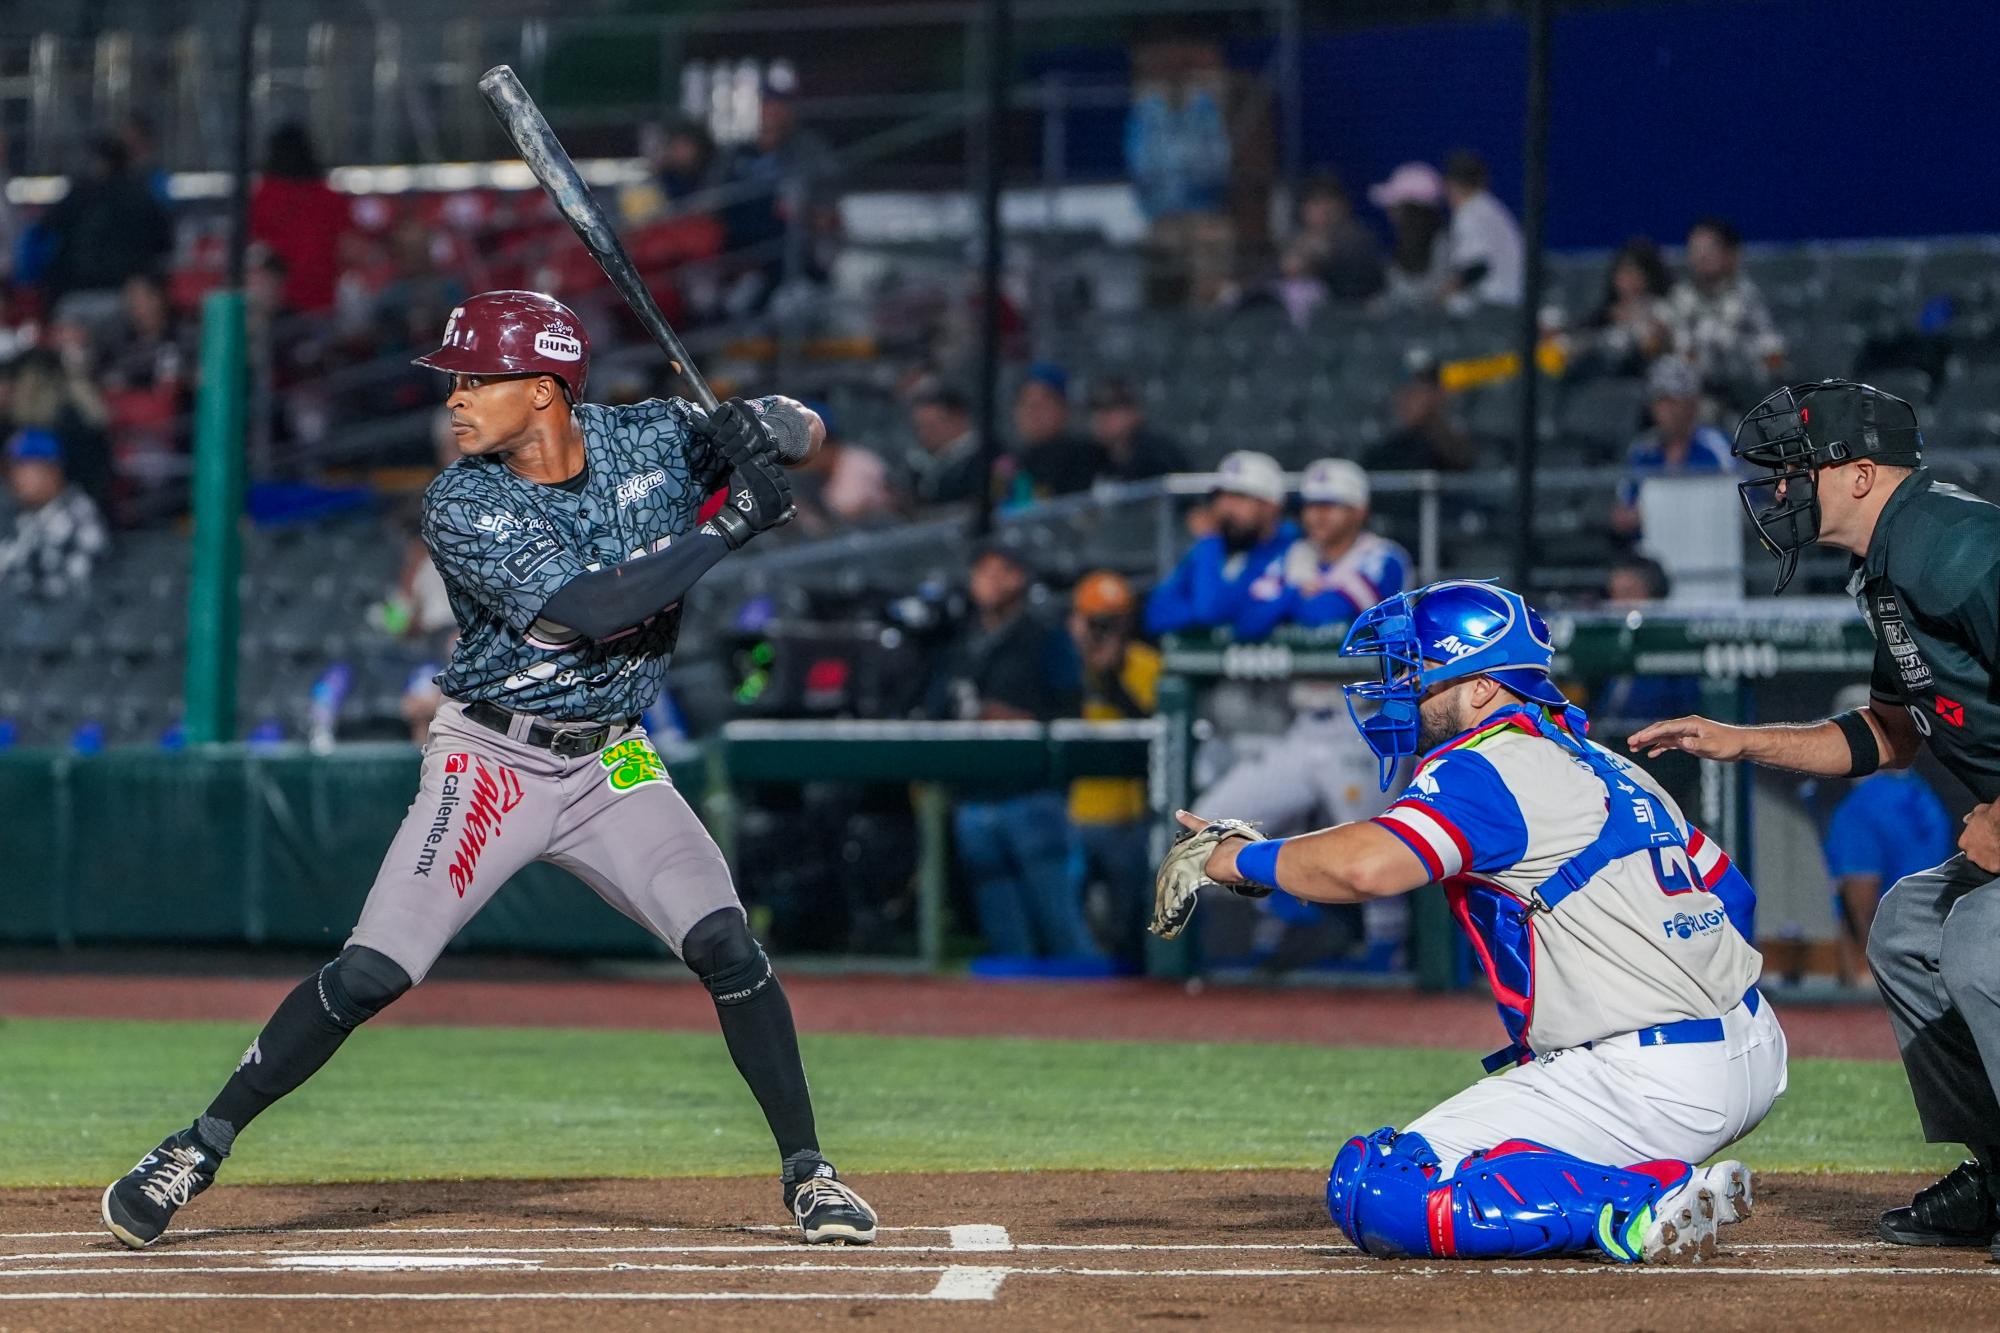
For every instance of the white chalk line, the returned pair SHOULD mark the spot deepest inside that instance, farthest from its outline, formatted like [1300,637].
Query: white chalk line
[278,1262]
[869,1296]
[975,1284]
[437,1231]
[884,1253]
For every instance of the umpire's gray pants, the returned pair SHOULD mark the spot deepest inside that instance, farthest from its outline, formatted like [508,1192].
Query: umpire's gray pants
[1935,951]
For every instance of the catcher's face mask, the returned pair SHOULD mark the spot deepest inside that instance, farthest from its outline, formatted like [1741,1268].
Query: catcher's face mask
[1431,637]
[1805,427]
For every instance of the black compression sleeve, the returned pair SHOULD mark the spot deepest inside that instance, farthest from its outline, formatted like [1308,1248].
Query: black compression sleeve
[1864,755]
[606,601]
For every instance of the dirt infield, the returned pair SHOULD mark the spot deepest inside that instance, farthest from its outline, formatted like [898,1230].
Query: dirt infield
[902,1006]
[1045,1251]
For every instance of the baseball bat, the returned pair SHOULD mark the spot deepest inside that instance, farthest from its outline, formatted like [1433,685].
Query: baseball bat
[544,154]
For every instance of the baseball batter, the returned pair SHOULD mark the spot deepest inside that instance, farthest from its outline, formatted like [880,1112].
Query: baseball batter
[1605,923]
[567,534]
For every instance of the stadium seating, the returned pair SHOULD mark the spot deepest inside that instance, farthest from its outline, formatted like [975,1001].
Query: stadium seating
[1217,382]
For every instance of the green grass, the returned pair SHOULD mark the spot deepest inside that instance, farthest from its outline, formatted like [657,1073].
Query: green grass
[79,1101]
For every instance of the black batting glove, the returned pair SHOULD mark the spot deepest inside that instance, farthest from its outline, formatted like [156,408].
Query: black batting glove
[739,433]
[760,498]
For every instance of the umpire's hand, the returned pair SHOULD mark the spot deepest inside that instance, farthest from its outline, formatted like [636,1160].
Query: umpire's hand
[1698,736]
[1980,838]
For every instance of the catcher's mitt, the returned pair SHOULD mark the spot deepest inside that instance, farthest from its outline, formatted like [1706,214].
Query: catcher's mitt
[1183,875]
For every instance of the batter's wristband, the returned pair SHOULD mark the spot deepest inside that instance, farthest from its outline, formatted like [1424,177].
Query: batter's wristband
[1258,862]
[1864,755]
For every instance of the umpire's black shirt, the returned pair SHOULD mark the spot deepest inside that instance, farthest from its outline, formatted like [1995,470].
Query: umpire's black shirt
[1930,588]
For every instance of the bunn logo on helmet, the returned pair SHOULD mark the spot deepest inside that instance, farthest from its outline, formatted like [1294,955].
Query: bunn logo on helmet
[558,346]
[514,333]
[1802,428]
[1443,632]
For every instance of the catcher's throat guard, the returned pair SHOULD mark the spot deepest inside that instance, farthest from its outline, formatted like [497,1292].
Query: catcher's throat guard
[1802,428]
[1437,634]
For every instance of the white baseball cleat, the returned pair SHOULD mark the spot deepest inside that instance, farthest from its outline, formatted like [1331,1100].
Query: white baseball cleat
[1731,1183]
[1682,1227]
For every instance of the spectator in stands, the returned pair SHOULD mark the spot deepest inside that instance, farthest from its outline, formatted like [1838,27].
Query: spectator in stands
[1109,818]
[1631,326]
[1635,580]
[1627,702]
[1419,265]
[1882,830]
[300,218]
[142,147]
[1677,443]
[842,483]
[52,389]
[1425,434]
[58,534]
[1133,450]
[420,293]
[1485,241]
[1178,154]
[1049,457]
[1012,839]
[1719,319]
[146,350]
[684,161]
[10,221]
[780,164]
[1212,582]
[1333,245]
[1333,573]
[951,468]
[107,228]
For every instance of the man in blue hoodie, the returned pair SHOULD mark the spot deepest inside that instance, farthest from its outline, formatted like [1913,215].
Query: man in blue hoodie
[1212,582]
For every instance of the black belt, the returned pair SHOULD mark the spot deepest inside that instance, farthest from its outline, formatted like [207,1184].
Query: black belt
[562,742]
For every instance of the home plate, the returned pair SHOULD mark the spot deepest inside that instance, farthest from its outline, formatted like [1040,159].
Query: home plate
[395,1263]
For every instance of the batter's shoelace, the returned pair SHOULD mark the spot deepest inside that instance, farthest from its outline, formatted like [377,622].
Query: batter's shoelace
[819,1190]
[173,1186]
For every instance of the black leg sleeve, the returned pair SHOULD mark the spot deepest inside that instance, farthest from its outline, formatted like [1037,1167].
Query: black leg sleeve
[756,1023]
[308,1027]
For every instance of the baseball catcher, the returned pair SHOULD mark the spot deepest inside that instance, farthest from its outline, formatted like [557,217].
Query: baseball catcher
[1611,931]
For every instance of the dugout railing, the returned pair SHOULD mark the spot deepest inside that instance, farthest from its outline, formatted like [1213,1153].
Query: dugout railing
[276,846]
[1766,660]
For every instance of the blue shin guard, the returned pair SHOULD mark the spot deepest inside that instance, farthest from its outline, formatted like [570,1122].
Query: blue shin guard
[1512,1201]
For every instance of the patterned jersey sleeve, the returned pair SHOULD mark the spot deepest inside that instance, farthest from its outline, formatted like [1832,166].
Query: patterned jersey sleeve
[508,561]
[1458,817]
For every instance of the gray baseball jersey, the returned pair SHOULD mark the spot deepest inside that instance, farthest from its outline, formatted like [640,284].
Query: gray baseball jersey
[505,545]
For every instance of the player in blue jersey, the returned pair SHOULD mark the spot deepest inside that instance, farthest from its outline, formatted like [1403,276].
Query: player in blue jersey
[567,534]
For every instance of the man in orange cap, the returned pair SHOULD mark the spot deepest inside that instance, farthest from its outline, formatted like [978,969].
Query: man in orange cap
[1108,817]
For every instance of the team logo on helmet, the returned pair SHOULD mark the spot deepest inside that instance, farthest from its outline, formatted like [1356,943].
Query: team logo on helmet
[558,346]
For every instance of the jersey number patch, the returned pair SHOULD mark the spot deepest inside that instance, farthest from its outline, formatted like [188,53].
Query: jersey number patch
[1672,870]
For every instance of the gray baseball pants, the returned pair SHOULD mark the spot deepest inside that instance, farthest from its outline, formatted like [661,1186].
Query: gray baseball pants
[489,805]
[1935,951]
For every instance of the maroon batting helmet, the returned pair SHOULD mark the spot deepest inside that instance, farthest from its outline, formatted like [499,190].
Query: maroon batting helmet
[515,333]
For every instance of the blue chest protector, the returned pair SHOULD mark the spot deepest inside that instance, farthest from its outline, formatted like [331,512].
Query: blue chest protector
[1635,821]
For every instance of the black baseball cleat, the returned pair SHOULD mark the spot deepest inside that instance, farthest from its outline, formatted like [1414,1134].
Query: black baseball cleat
[138,1205]
[827,1209]
[1958,1210]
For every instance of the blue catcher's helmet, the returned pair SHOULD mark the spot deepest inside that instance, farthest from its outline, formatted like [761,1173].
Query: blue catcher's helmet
[1443,632]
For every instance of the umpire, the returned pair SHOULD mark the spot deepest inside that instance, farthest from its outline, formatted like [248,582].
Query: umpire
[1846,470]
